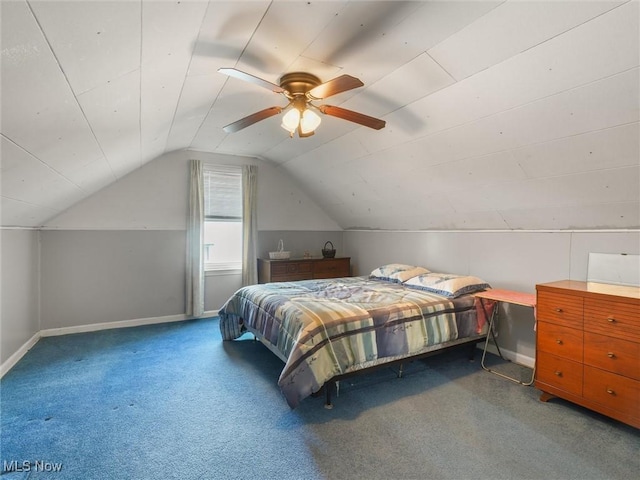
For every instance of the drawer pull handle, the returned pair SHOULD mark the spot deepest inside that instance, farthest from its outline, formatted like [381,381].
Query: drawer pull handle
[559,310]
[610,391]
[559,342]
[611,319]
[558,373]
[611,355]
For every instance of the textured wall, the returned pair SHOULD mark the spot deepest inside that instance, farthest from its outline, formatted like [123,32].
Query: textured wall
[19,290]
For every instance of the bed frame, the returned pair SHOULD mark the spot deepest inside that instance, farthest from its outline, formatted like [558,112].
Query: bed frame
[332,386]
[393,308]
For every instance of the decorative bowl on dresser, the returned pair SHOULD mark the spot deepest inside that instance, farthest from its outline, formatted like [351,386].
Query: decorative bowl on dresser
[588,346]
[302,269]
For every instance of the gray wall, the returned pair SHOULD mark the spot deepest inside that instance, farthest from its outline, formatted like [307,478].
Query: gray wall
[512,260]
[19,290]
[91,276]
[155,197]
[104,276]
[120,254]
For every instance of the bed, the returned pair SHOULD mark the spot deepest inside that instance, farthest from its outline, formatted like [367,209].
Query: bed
[325,330]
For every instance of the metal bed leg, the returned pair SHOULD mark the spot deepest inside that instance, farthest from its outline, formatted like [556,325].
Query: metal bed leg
[472,352]
[328,390]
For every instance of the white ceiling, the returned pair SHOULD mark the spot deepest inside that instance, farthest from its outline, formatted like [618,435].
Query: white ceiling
[500,114]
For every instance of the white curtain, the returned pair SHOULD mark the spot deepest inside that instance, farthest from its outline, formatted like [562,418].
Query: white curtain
[195,237]
[249,224]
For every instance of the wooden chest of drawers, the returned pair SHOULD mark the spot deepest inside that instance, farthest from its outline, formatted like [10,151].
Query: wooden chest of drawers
[588,346]
[302,269]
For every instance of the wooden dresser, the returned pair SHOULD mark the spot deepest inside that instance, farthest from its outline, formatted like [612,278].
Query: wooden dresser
[302,269]
[588,346]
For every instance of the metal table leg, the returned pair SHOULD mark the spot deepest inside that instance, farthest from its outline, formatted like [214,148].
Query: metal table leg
[491,333]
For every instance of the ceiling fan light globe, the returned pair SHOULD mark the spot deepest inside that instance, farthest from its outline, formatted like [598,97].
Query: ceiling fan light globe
[310,121]
[291,120]
[291,131]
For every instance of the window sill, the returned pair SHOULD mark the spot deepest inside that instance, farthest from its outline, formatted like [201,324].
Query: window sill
[231,271]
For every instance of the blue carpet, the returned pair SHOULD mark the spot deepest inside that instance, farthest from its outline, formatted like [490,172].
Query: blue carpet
[174,401]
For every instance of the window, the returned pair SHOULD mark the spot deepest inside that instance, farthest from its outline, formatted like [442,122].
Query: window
[223,218]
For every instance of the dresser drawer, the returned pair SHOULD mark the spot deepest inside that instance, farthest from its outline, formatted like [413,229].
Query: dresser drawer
[614,391]
[331,268]
[612,354]
[615,319]
[291,268]
[560,340]
[559,372]
[560,309]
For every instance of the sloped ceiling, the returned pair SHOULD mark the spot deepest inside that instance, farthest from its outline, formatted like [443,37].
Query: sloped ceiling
[500,114]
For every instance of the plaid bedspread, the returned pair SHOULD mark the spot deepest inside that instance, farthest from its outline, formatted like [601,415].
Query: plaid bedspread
[324,328]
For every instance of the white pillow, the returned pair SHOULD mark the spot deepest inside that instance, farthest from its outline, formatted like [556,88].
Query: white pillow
[447,284]
[397,272]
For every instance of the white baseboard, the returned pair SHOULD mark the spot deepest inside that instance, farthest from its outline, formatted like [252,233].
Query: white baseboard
[10,362]
[93,327]
[515,357]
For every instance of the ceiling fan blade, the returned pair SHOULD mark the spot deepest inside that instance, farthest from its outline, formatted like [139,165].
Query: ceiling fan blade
[251,119]
[247,77]
[352,116]
[332,87]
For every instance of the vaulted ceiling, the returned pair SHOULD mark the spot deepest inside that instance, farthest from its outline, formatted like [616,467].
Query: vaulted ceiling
[499,114]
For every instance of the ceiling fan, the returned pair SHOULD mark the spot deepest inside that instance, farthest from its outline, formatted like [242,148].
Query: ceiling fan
[301,89]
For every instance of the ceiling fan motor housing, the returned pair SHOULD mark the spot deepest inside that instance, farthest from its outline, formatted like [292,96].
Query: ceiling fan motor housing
[298,83]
